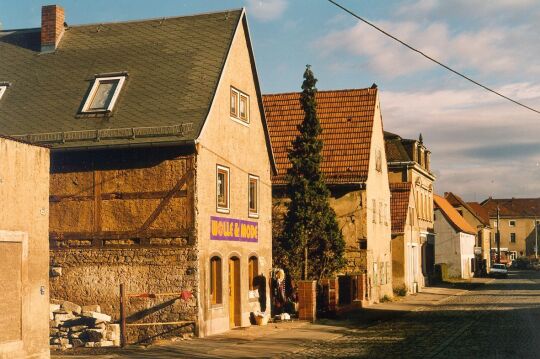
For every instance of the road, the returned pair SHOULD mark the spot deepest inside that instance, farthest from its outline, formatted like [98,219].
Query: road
[500,319]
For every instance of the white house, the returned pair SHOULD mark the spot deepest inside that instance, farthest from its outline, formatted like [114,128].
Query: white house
[454,240]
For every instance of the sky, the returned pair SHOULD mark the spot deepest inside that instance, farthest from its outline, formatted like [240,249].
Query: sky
[481,144]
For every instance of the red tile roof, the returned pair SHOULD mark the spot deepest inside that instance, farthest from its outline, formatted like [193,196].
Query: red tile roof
[480,212]
[399,205]
[513,207]
[451,214]
[346,118]
[456,201]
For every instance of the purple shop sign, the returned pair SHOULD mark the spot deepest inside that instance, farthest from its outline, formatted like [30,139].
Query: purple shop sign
[230,229]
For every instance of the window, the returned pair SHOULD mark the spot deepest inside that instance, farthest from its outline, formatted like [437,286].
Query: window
[253,272]
[374,211]
[513,237]
[512,223]
[239,105]
[215,281]
[380,212]
[222,189]
[234,102]
[103,94]
[253,196]
[378,161]
[3,89]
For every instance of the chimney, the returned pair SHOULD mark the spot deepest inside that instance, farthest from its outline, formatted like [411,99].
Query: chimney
[52,27]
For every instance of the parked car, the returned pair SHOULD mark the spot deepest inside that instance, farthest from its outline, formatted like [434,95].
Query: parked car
[499,270]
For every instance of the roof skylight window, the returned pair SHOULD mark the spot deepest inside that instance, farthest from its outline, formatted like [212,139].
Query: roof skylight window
[103,94]
[3,88]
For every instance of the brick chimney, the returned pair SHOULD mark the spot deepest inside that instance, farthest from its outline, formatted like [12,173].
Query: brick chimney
[52,27]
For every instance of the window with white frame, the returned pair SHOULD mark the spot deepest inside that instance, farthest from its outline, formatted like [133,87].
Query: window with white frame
[103,94]
[512,223]
[223,186]
[253,192]
[239,105]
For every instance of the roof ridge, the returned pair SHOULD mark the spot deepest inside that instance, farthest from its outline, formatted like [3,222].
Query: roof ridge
[319,91]
[155,18]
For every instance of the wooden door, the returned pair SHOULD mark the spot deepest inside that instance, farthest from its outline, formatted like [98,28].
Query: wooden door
[234,292]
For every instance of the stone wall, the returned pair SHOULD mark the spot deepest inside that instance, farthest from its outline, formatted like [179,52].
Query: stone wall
[91,276]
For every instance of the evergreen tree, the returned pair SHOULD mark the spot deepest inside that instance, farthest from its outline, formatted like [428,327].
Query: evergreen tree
[311,238]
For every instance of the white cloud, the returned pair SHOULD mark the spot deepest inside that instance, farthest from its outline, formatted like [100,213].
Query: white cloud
[481,145]
[266,10]
[505,51]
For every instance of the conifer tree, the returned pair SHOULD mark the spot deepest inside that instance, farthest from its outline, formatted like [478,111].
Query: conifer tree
[311,237]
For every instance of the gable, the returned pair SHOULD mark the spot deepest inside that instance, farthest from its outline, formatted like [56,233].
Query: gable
[346,118]
[173,67]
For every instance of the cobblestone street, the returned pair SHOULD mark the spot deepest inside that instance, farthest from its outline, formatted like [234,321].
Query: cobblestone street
[499,319]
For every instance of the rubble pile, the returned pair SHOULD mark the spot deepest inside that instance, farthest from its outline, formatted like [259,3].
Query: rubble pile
[73,326]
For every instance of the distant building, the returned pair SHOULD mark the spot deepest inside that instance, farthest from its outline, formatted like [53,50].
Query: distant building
[409,161]
[454,242]
[407,266]
[24,250]
[517,226]
[354,168]
[478,218]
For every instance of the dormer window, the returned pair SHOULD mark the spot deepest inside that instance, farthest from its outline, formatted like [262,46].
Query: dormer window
[103,94]
[3,88]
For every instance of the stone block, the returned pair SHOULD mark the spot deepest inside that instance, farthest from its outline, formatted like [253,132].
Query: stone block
[71,307]
[77,343]
[62,317]
[100,317]
[91,335]
[78,328]
[104,343]
[91,308]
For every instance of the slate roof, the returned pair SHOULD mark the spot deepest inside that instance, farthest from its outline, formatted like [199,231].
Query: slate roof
[480,211]
[513,207]
[395,151]
[399,205]
[456,201]
[173,66]
[452,215]
[346,118]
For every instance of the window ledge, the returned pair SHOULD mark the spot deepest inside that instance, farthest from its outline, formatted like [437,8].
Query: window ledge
[253,215]
[242,122]
[223,210]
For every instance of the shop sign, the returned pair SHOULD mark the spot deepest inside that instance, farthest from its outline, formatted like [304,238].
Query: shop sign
[231,229]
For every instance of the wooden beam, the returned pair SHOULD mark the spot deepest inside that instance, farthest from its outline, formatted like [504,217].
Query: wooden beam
[117,195]
[102,235]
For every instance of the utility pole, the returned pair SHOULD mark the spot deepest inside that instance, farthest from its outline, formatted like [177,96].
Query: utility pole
[498,239]
[535,239]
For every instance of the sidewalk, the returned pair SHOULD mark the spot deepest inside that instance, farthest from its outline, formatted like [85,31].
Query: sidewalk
[280,339]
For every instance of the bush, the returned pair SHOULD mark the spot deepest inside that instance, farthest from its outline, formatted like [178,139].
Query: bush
[400,292]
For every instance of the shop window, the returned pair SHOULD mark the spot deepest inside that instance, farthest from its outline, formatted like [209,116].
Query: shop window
[223,186]
[512,237]
[215,281]
[239,105]
[253,272]
[253,196]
